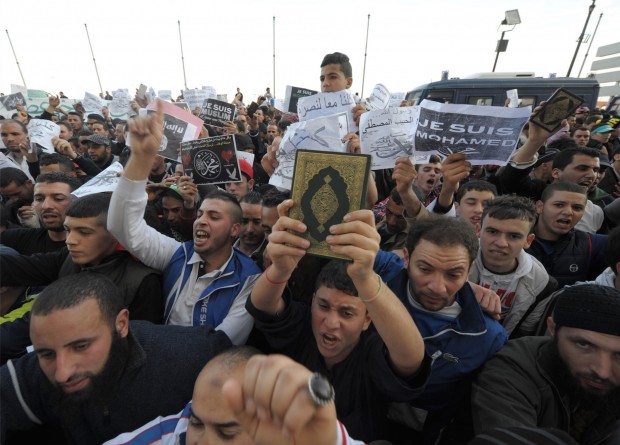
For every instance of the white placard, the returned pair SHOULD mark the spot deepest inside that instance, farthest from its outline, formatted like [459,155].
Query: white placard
[323,133]
[41,131]
[327,104]
[379,97]
[92,103]
[106,181]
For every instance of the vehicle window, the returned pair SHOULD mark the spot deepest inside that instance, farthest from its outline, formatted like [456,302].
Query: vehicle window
[527,100]
[443,96]
[480,100]
[413,98]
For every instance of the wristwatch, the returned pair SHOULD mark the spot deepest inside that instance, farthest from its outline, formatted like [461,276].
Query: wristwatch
[321,391]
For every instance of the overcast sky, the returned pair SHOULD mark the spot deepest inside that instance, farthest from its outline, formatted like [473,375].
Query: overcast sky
[229,44]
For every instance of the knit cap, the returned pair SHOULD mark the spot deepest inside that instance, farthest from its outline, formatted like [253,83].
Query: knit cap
[590,307]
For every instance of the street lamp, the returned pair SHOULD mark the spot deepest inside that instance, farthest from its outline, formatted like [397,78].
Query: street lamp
[512,19]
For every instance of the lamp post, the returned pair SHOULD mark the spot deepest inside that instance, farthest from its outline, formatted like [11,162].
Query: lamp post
[590,9]
[511,19]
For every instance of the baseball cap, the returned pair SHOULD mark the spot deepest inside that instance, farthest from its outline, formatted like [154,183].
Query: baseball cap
[246,168]
[602,128]
[547,155]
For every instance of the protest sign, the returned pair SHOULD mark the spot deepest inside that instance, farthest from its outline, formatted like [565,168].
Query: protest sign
[179,126]
[141,93]
[41,131]
[150,94]
[164,94]
[92,103]
[211,160]
[120,106]
[487,135]
[249,157]
[396,99]
[379,97]
[387,135]
[195,98]
[106,181]
[323,133]
[211,93]
[292,96]
[10,102]
[513,95]
[182,105]
[326,104]
[36,107]
[215,112]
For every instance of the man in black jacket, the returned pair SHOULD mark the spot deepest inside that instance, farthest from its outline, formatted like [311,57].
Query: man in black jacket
[94,374]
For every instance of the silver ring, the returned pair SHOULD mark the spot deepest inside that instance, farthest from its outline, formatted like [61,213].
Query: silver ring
[321,391]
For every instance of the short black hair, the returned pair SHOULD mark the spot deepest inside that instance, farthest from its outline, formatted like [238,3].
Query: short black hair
[273,198]
[339,59]
[433,159]
[76,113]
[16,122]
[91,206]
[96,117]
[237,213]
[65,124]
[334,276]
[72,290]
[565,157]
[14,175]
[478,185]
[563,144]
[443,231]
[562,186]
[572,130]
[52,177]
[66,164]
[511,207]
[251,197]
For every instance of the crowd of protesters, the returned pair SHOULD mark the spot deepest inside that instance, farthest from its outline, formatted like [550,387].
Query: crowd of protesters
[480,305]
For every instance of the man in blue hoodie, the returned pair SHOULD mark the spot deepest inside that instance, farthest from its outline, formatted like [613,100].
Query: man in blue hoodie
[432,283]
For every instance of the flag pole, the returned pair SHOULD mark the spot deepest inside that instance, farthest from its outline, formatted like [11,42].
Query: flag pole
[182,56]
[365,54]
[94,61]
[16,61]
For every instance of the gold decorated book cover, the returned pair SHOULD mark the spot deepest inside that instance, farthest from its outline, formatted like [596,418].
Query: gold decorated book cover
[327,186]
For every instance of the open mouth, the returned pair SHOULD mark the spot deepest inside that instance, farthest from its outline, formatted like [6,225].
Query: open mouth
[329,339]
[201,235]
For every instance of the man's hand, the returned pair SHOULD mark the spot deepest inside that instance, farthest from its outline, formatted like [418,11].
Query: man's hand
[274,407]
[404,175]
[146,133]
[269,161]
[357,238]
[285,249]
[455,168]
[135,106]
[64,148]
[26,212]
[27,151]
[357,111]
[488,300]
[188,191]
[54,102]
[230,128]
[353,142]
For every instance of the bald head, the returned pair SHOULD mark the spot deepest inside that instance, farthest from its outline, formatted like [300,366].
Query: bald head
[211,418]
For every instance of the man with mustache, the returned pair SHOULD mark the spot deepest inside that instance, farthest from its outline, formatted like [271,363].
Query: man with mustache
[95,373]
[52,196]
[569,381]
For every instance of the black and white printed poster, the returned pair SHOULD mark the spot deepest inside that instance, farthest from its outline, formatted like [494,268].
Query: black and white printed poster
[211,160]
[487,135]
[216,112]
[11,101]
[293,94]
